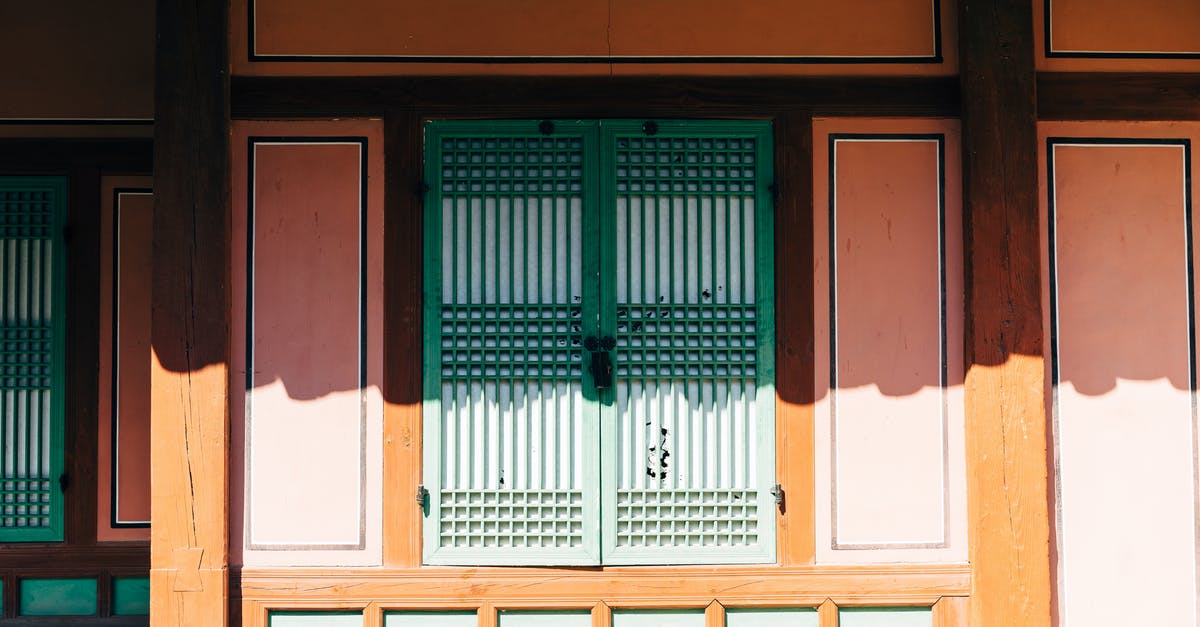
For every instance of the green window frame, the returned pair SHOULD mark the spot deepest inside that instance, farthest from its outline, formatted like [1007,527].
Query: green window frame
[556,250]
[32,357]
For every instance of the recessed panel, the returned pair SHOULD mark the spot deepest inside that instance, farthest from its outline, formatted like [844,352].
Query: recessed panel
[57,597]
[771,617]
[305,408]
[885,617]
[1123,371]
[131,596]
[315,619]
[545,619]
[658,618]
[1119,28]
[431,619]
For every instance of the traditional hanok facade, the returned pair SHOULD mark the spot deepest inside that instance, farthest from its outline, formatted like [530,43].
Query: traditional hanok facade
[599,313]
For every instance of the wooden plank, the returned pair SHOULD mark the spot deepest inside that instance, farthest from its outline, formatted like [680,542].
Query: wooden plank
[1005,409]
[190,317]
[1118,96]
[35,156]
[555,588]
[828,614]
[402,331]
[83,328]
[794,340]
[714,615]
[951,612]
[69,558]
[610,97]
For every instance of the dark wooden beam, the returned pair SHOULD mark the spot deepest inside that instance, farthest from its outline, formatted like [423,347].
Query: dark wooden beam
[33,156]
[1005,409]
[1118,96]
[266,97]
[189,378]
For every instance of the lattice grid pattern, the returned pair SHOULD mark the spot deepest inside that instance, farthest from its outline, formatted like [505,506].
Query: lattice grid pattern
[25,503]
[686,518]
[511,342]
[682,341]
[686,165]
[510,518]
[26,214]
[512,165]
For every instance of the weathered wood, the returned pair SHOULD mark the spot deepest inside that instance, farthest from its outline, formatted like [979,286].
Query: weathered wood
[827,614]
[491,97]
[1005,412]
[189,319]
[34,156]
[1118,96]
[951,612]
[794,340]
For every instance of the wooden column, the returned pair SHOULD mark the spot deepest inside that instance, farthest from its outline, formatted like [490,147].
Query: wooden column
[1006,415]
[189,402]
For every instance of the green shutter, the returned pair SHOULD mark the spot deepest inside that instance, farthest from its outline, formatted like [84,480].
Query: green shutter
[689,273]
[32,308]
[539,236]
[509,461]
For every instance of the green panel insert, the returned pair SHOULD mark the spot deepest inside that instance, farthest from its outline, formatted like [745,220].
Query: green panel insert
[551,618]
[771,617]
[32,345]
[885,617]
[658,618]
[57,597]
[315,619]
[431,619]
[131,596]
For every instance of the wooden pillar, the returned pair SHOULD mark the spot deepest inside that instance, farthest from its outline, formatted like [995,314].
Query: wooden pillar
[1006,415]
[189,548]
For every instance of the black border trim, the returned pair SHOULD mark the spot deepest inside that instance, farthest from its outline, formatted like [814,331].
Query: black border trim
[940,139]
[116,353]
[76,122]
[936,59]
[364,215]
[1051,54]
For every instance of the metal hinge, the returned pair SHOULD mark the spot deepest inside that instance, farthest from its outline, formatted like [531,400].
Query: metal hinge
[777,492]
[774,189]
[422,495]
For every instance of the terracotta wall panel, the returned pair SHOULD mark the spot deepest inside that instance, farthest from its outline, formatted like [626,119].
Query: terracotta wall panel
[77,59]
[309,306]
[1121,317]
[888,305]
[1117,35]
[543,37]
[123,477]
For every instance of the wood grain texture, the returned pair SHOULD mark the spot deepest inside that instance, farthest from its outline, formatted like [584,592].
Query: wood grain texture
[794,339]
[714,615]
[951,612]
[827,614]
[402,332]
[676,586]
[1005,413]
[587,97]
[37,156]
[190,317]
[1117,96]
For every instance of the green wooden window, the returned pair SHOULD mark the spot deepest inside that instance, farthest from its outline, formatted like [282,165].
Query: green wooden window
[32,345]
[552,247]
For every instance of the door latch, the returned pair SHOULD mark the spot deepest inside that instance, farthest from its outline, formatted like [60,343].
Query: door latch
[601,362]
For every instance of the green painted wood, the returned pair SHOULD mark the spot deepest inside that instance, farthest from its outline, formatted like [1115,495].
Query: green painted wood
[545,619]
[430,619]
[533,244]
[315,619]
[131,596]
[885,617]
[32,357]
[57,597]
[771,617]
[658,618]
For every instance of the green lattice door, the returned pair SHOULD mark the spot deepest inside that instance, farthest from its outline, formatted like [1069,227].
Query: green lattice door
[554,252]
[32,308]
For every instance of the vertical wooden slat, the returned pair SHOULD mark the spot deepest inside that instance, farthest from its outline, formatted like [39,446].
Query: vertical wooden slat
[601,615]
[372,615]
[714,615]
[794,337]
[190,316]
[827,614]
[1005,411]
[402,331]
[83,328]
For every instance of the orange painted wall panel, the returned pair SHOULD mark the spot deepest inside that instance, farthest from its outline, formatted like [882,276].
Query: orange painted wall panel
[1116,205]
[1118,35]
[77,59]
[123,472]
[309,37]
